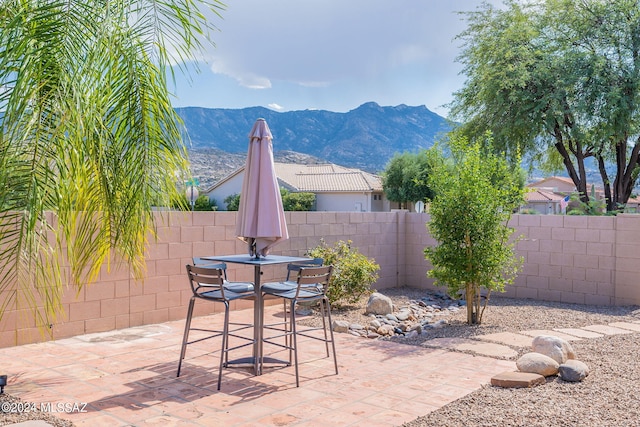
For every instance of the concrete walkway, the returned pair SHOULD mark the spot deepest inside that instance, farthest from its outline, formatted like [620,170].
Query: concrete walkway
[127,378]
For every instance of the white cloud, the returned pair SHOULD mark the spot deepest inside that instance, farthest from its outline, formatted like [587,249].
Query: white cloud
[336,54]
[275,106]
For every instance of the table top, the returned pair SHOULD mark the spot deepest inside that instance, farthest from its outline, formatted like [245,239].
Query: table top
[248,259]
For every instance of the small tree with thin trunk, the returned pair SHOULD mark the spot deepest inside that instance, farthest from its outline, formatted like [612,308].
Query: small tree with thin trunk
[475,195]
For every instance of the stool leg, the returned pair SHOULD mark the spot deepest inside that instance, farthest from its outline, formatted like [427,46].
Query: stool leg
[294,339]
[225,337]
[185,337]
[323,308]
[333,342]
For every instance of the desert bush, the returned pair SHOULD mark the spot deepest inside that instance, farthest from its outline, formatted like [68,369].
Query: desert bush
[353,273]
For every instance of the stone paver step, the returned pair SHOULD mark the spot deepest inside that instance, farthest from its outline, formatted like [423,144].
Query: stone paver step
[508,338]
[625,325]
[537,332]
[517,379]
[606,330]
[579,332]
[474,346]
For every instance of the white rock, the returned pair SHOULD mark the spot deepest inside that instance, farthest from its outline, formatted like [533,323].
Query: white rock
[340,326]
[379,304]
[403,314]
[556,348]
[537,363]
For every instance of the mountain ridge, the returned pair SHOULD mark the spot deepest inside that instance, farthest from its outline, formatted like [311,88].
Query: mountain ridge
[366,137]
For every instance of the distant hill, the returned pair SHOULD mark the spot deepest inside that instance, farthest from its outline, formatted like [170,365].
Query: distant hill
[366,137]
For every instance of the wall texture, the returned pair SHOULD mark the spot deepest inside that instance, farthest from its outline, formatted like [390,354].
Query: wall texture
[587,260]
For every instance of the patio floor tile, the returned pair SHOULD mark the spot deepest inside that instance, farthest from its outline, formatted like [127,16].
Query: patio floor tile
[127,378]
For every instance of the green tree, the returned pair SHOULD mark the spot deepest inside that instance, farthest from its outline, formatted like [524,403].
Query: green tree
[559,82]
[233,202]
[469,215]
[89,140]
[405,179]
[297,201]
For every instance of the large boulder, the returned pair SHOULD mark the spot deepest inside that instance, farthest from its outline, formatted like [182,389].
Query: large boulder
[379,304]
[556,348]
[537,363]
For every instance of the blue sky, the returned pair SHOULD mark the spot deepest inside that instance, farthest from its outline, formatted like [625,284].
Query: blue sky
[330,54]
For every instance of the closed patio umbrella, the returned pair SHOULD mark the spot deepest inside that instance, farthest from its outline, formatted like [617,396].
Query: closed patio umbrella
[260,220]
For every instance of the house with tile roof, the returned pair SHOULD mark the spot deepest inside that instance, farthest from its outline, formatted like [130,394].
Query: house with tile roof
[543,202]
[555,184]
[337,188]
[546,195]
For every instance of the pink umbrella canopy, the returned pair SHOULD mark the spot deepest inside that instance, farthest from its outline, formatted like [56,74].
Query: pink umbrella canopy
[261,220]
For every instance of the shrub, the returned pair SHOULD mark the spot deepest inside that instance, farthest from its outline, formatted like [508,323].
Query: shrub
[232,202]
[353,273]
[297,201]
[528,211]
[203,203]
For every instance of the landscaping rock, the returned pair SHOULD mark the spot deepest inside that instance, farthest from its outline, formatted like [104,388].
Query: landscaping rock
[340,326]
[573,370]
[386,330]
[379,304]
[556,348]
[517,380]
[537,363]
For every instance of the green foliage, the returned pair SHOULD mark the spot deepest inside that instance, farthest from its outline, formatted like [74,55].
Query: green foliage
[469,213]
[232,202]
[592,207]
[353,273]
[89,133]
[557,81]
[297,201]
[405,178]
[203,203]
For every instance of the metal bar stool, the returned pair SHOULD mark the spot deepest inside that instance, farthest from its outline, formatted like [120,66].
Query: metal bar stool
[208,282]
[311,285]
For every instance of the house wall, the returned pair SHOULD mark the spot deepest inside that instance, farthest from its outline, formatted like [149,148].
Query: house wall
[587,260]
[343,202]
[232,186]
[544,208]
[377,202]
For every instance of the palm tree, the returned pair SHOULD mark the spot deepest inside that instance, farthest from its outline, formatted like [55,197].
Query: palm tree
[89,141]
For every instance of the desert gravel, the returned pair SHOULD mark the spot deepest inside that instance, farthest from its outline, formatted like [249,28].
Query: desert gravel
[608,397]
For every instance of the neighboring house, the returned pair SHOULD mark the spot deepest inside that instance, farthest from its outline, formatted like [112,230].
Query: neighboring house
[555,184]
[543,202]
[336,188]
[546,196]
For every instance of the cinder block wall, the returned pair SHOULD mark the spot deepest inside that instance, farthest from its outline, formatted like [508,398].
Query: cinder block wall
[577,259]
[589,260]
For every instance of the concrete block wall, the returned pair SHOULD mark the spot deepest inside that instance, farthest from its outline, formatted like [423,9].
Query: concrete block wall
[567,258]
[119,301]
[587,260]
[591,260]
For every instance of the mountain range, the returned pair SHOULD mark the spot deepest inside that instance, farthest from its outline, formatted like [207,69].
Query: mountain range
[366,137]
